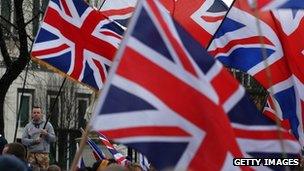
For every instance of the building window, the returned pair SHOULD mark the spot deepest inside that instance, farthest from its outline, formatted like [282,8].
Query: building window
[24,106]
[36,16]
[83,102]
[6,13]
[55,113]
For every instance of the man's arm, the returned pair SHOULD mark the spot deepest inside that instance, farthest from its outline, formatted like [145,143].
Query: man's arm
[25,137]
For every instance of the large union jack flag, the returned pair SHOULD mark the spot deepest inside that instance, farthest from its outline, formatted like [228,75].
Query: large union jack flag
[200,18]
[170,100]
[237,45]
[78,41]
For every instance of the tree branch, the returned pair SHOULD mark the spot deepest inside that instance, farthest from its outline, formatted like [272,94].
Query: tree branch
[33,18]
[24,53]
[8,22]
[4,52]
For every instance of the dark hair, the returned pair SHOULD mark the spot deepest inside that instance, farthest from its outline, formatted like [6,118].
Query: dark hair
[36,107]
[17,150]
[3,142]
[53,168]
[11,163]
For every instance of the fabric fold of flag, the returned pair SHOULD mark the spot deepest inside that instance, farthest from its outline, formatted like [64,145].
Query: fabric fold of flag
[96,151]
[170,100]
[120,159]
[119,11]
[237,44]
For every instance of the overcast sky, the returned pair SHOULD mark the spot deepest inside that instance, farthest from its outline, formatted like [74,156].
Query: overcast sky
[228,2]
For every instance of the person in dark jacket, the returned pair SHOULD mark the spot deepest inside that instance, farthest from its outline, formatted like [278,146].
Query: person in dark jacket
[3,142]
[11,163]
[17,150]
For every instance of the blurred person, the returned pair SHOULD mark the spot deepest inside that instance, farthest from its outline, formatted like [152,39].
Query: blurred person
[135,167]
[54,168]
[15,149]
[38,139]
[11,163]
[3,142]
[115,167]
[102,164]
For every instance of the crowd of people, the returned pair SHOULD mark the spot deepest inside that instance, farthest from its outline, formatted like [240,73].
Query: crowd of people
[14,158]
[112,165]
[33,153]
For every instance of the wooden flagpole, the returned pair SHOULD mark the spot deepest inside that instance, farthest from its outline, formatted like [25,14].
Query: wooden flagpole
[84,136]
[269,76]
[83,141]
[264,56]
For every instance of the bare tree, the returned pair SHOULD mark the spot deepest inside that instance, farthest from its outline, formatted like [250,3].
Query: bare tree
[14,65]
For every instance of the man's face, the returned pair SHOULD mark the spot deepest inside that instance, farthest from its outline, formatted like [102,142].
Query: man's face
[36,114]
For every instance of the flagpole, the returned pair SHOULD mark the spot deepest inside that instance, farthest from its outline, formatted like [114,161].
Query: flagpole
[218,28]
[20,103]
[269,76]
[21,99]
[83,140]
[264,56]
[53,106]
[102,4]
[84,136]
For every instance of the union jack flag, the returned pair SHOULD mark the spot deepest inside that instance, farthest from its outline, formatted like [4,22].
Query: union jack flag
[119,11]
[275,4]
[237,45]
[200,18]
[97,153]
[171,101]
[78,41]
[120,159]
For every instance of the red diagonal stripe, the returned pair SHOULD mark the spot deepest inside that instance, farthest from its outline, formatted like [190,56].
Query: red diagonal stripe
[245,41]
[211,18]
[279,72]
[109,33]
[146,131]
[100,69]
[224,92]
[114,12]
[66,8]
[49,51]
[262,134]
